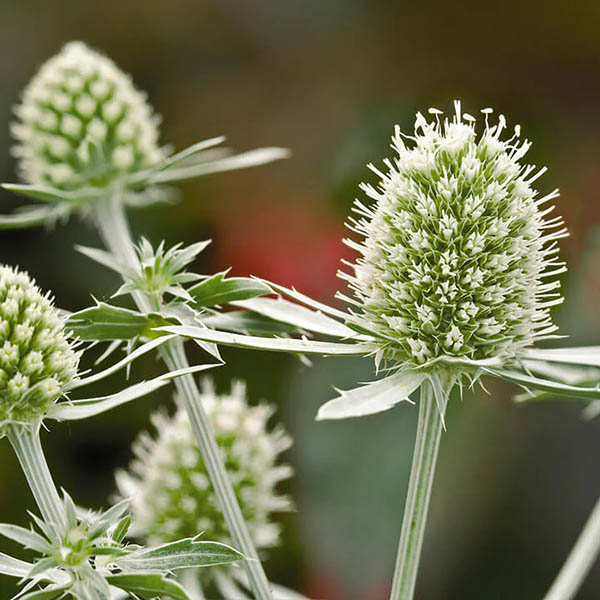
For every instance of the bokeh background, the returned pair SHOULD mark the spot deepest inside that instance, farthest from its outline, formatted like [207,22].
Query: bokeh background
[329,80]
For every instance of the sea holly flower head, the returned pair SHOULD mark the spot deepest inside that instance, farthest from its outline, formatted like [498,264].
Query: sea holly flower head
[456,276]
[81,122]
[37,359]
[458,260]
[168,485]
[85,134]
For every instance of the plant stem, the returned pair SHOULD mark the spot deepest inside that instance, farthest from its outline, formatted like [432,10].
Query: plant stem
[113,227]
[28,448]
[427,443]
[580,560]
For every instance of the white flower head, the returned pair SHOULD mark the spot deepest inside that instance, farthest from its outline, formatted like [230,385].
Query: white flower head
[37,360]
[81,122]
[458,258]
[169,489]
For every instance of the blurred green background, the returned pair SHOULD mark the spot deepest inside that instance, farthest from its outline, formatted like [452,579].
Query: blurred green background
[329,79]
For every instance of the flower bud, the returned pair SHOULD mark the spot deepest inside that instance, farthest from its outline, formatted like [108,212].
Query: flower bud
[82,123]
[168,485]
[36,359]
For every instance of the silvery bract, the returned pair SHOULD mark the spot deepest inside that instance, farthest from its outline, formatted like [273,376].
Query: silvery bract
[168,485]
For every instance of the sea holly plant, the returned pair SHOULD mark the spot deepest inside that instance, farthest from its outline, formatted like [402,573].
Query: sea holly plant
[39,364]
[84,132]
[456,275]
[87,142]
[170,490]
[89,559]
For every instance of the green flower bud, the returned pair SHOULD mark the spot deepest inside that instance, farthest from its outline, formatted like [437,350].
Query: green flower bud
[83,123]
[458,259]
[169,489]
[37,361]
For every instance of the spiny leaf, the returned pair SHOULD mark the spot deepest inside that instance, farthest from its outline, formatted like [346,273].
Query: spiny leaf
[25,537]
[302,346]
[182,554]
[373,397]
[105,322]
[148,585]
[220,290]
[299,316]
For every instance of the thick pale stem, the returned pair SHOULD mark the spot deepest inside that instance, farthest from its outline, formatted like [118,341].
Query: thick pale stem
[580,560]
[28,448]
[114,230]
[427,443]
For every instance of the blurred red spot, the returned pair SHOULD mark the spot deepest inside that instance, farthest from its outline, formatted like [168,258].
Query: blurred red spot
[288,244]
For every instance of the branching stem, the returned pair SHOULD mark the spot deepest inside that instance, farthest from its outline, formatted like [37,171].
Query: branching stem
[114,230]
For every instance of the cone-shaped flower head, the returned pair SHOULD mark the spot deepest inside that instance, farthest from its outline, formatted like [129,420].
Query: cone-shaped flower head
[37,360]
[458,260]
[168,485]
[83,123]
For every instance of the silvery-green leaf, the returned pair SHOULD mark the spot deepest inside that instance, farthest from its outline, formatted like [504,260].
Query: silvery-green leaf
[585,355]
[545,385]
[105,322]
[241,321]
[183,554]
[121,529]
[26,537]
[148,585]
[41,566]
[49,593]
[13,566]
[45,193]
[90,407]
[108,518]
[306,300]
[274,344]
[373,397]
[190,151]
[288,312]
[31,217]
[186,315]
[221,290]
[567,373]
[139,351]
[104,258]
[252,158]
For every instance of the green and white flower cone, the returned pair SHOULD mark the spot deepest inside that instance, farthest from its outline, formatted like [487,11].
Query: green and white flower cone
[458,259]
[169,488]
[84,133]
[83,123]
[37,359]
